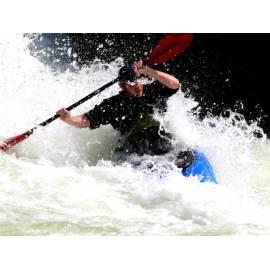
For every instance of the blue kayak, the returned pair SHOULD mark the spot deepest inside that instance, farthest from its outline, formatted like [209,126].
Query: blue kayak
[200,167]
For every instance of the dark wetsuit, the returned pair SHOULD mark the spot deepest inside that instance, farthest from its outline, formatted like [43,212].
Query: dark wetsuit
[133,118]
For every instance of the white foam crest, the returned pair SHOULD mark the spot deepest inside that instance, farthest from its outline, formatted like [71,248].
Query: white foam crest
[37,93]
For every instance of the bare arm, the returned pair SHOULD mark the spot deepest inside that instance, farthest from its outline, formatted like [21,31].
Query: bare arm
[79,121]
[164,78]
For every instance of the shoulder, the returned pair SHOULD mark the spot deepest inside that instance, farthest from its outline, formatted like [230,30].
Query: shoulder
[112,100]
[157,84]
[157,87]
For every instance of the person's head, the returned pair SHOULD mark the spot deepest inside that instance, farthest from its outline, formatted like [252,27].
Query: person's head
[128,82]
[133,88]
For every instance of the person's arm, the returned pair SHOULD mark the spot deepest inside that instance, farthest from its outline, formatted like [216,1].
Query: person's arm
[79,121]
[164,78]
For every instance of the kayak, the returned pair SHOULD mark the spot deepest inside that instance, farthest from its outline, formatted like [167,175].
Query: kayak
[200,167]
[190,163]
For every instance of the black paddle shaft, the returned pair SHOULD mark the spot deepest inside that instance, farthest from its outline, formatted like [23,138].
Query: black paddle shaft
[79,102]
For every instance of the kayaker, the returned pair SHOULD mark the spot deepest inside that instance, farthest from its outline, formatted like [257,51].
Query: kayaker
[131,111]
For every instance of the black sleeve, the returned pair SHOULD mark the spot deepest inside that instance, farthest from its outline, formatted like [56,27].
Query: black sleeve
[158,90]
[166,91]
[101,114]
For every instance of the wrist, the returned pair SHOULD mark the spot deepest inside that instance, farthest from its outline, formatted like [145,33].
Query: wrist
[67,119]
[148,71]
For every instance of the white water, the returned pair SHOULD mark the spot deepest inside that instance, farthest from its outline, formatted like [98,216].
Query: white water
[61,180]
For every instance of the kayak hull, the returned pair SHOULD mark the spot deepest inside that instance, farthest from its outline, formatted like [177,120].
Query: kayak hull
[200,167]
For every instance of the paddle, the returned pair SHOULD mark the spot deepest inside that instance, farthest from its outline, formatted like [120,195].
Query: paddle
[167,48]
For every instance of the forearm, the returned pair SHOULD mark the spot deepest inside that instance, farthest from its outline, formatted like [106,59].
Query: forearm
[164,78]
[79,121]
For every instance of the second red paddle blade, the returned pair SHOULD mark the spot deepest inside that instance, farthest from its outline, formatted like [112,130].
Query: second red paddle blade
[168,47]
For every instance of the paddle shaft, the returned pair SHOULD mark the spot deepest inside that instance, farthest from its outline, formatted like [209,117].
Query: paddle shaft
[79,102]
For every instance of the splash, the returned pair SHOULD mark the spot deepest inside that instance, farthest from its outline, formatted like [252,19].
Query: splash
[61,179]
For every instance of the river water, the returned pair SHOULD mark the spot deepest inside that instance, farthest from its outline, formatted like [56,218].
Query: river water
[61,181]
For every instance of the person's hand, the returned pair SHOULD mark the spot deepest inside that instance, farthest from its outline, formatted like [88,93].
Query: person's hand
[64,114]
[139,68]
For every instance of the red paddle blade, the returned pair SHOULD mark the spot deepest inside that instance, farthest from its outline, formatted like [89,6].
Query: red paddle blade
[4,146]
[168,47]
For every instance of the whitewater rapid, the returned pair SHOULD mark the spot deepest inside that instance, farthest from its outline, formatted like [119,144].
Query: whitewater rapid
[61,179]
